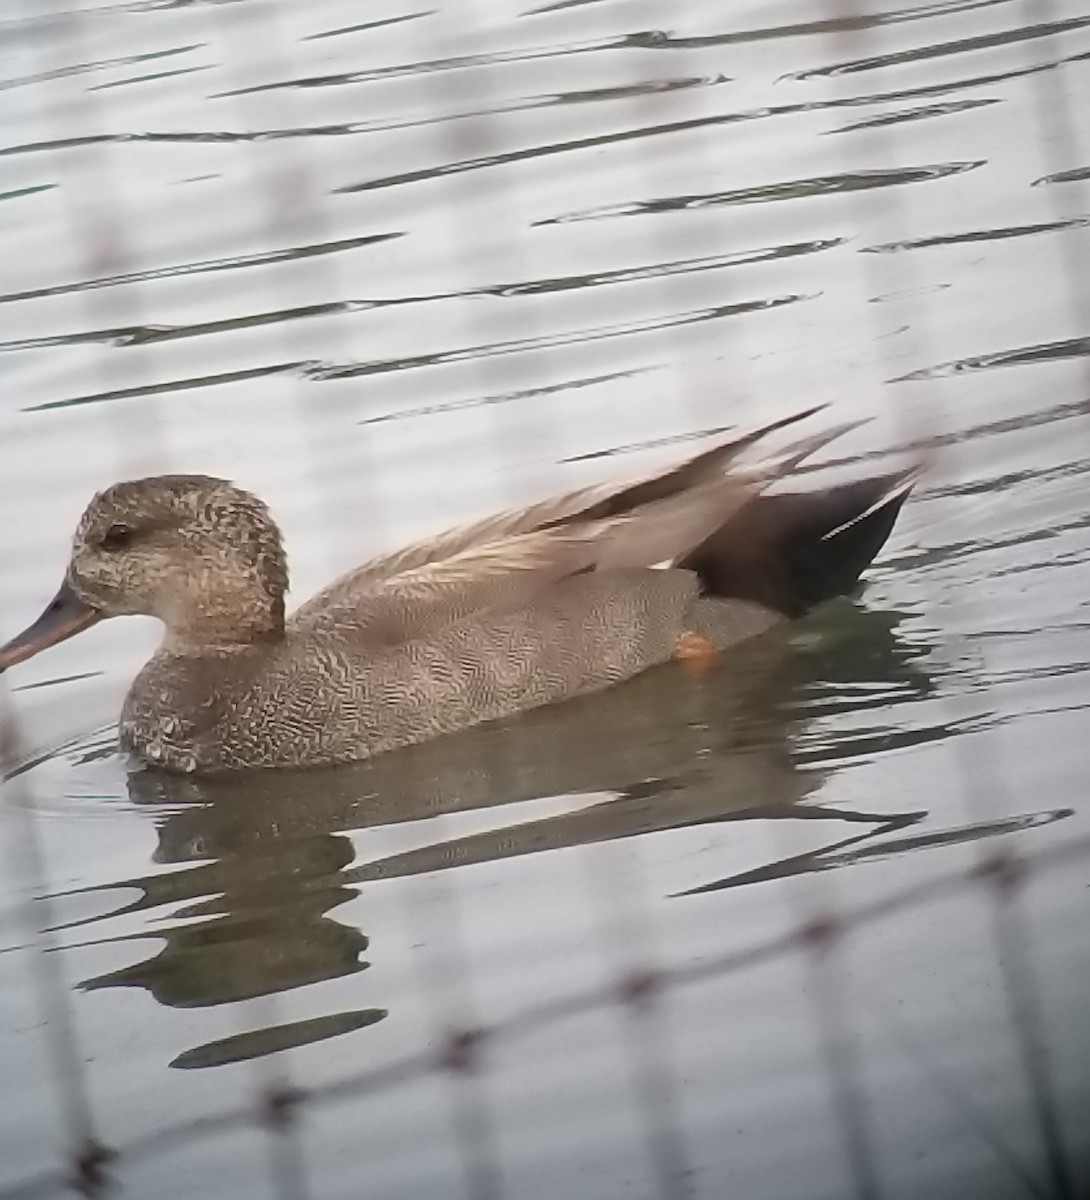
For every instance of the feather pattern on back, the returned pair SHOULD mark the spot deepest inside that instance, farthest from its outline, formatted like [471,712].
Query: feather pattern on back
[507,558]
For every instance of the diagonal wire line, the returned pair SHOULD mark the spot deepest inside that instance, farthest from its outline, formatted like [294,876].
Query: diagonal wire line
[412,1067]
[620,893]
[1024,994]
[1056,120]
[960,1099]
[979,775]
[26,859]
[841,1056]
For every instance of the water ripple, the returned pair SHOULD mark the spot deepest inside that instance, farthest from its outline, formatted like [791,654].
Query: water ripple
[230,263]
[1044,352]
[150,77]
[549,341]
[19,193]
[854,23]
[549,389]
[201,137]
[617,136]
[976,235]
[821,185]
[983,41]
[1075,175]
[455,63]
[171,385]
[834,857]
[925,112]
[102,64]
[342,129]
[322,371]
[141,335]
[270,1039]
[367,26]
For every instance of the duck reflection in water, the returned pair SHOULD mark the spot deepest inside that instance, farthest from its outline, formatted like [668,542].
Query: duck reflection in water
[277,852]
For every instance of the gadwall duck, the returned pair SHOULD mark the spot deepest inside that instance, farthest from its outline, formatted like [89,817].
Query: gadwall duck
[525,608]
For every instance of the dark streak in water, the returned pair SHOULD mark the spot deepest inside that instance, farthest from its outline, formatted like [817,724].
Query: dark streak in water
[821,185]
[549,389]
[1046,352]
[685,266]
[838,856]
[869,741]
[915,114]
[559,6]
[116,83]
[648,39]
[1073,176]
[628,91]
[103,64]
[949,837]
[142,335]
[856,22]
[367,26]
[547,341]
[673,439]
[257,1043]
[976,235]
[104,735]
[43,683]
[172,385]
[235,262]
[323,371]
[618,136]
[985,41]
[139,335]
[1065,473]
[203,137]
[18,193]
[546,149]
[959,84]
[457,62]
[540,151]
[68,143]
[974,431]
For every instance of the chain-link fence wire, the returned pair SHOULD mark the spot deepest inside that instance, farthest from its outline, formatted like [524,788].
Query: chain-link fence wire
[462,1053]
[642,988]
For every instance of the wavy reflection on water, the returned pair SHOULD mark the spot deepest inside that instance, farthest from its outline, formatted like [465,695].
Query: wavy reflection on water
[793,189]
[264,858]
[141,335]
[231,263]
[960,46]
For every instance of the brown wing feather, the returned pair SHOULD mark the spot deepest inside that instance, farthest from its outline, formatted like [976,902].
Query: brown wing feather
[508,560]
[596,502]
[513,571]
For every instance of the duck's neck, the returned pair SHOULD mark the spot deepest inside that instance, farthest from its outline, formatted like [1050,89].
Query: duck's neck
[222,624]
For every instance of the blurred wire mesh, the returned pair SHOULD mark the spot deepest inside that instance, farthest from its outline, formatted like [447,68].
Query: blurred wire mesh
[403,265]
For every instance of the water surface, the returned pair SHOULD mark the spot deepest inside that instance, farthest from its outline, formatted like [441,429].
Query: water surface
[390,268]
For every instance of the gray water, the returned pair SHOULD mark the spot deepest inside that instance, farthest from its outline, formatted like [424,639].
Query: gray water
[391,267]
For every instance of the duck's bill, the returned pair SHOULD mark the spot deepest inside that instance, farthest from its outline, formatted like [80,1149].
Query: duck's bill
[64,616]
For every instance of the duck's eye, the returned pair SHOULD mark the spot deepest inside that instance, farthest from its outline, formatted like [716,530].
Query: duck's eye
[117,537]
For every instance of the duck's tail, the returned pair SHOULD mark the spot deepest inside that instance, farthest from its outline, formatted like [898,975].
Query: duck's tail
[789,552]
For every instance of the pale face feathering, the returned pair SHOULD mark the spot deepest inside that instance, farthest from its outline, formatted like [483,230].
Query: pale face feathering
[198,553]
[202,555]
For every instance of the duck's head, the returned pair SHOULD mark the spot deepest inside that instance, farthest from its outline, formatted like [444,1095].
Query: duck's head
[200,554]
